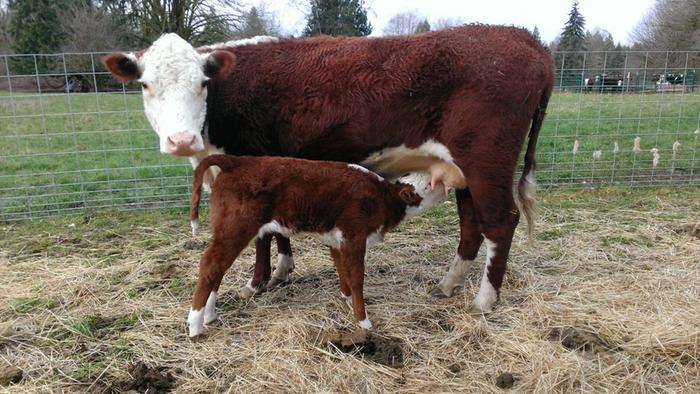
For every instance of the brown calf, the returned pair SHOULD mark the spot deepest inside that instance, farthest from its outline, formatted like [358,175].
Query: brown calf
[347,206]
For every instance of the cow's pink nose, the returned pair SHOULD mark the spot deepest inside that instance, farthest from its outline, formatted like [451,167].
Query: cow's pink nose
[182,144]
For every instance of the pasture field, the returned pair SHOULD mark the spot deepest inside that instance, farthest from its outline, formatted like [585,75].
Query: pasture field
[605,300]
[71,152]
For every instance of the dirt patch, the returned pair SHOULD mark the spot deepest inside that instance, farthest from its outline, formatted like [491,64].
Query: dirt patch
[145,379]
[382,350]
[505,380]
[578,339]
[193,244]
[9,374]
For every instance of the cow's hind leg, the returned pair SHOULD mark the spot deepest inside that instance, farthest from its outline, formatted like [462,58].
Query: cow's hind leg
[469,242]
[215,261]
[285,262]
[498,216]
[261,272]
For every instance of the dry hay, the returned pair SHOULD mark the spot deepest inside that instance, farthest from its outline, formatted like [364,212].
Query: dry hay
[605,300]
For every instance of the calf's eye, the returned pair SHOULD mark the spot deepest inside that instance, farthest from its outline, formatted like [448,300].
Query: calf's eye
[144,86]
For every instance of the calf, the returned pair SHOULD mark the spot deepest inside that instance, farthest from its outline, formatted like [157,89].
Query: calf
[347,206]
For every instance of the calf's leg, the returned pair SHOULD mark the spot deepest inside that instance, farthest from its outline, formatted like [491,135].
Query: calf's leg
[261,273]
[213,265]
[352,266]
[285,262]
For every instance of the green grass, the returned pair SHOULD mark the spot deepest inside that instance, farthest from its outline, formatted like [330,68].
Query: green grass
[63,153]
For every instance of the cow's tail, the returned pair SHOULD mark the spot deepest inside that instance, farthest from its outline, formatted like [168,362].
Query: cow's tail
[527,184]
[222,161]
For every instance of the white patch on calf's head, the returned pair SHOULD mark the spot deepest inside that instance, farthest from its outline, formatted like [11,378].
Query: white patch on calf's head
[421,185]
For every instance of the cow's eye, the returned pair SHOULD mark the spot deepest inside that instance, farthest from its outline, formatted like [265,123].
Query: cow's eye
[205,83]
[144,85]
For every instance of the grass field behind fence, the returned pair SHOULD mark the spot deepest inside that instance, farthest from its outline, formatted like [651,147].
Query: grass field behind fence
[72,152]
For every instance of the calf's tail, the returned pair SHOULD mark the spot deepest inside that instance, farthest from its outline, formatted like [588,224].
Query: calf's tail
[527,185]
[222,161]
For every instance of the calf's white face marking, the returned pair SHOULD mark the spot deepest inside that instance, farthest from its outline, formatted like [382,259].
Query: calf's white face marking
[421,185]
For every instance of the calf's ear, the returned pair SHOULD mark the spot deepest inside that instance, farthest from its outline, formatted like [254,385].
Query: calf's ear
[219,65]
[409,196]
[121,65]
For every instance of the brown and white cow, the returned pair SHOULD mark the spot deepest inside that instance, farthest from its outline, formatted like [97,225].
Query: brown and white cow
[456,102]
[348,207]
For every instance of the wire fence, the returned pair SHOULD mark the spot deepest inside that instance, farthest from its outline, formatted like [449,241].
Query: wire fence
[74,140]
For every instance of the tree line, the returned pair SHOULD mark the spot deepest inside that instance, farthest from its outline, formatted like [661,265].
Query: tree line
[54,26]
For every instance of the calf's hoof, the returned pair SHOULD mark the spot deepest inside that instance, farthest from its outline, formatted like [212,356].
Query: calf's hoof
[248,290]
[366,324]
[195,321]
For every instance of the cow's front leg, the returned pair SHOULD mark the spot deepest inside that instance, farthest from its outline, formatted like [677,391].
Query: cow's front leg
[261,273]
[285,262]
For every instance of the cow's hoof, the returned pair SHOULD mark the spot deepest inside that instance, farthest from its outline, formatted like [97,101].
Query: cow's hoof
[438,293]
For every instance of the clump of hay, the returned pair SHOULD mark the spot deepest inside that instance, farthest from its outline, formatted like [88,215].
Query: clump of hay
[606,301]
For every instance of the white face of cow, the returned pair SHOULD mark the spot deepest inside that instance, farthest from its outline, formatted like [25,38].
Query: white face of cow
[174,79]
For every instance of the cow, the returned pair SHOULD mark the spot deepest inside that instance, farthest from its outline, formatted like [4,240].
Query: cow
[457,103]
[348,207]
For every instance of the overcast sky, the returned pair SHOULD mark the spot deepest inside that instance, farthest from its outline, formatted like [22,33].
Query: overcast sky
[619,17]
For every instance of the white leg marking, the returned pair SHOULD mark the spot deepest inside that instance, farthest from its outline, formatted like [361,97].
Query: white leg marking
[195,225]
[210,308]
[487,294]
[455,276]
[248,290]
[285,264]
[366,324]
[196,322]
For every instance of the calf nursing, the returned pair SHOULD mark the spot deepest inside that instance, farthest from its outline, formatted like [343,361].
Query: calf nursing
[347,206]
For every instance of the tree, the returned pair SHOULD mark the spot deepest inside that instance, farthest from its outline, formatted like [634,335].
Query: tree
[423,27]
[446,23]
[338,17]
[536,34]
[258,22]
[87,28]
[402,23]
[5,42]
[572,41]
[600,46]
[35,29]
[672,25]
[196,21]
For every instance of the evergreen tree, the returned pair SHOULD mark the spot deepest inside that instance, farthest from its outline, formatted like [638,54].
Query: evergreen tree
[572,40]
[338,18]
[258,23]
[35,28]
[536,33]
[423,26]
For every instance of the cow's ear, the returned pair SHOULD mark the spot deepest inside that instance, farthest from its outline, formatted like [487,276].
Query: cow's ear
[408,195]
[121,65]
[219,65]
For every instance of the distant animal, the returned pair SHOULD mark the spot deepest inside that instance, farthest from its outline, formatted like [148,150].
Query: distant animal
[347,206]
[456,103]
